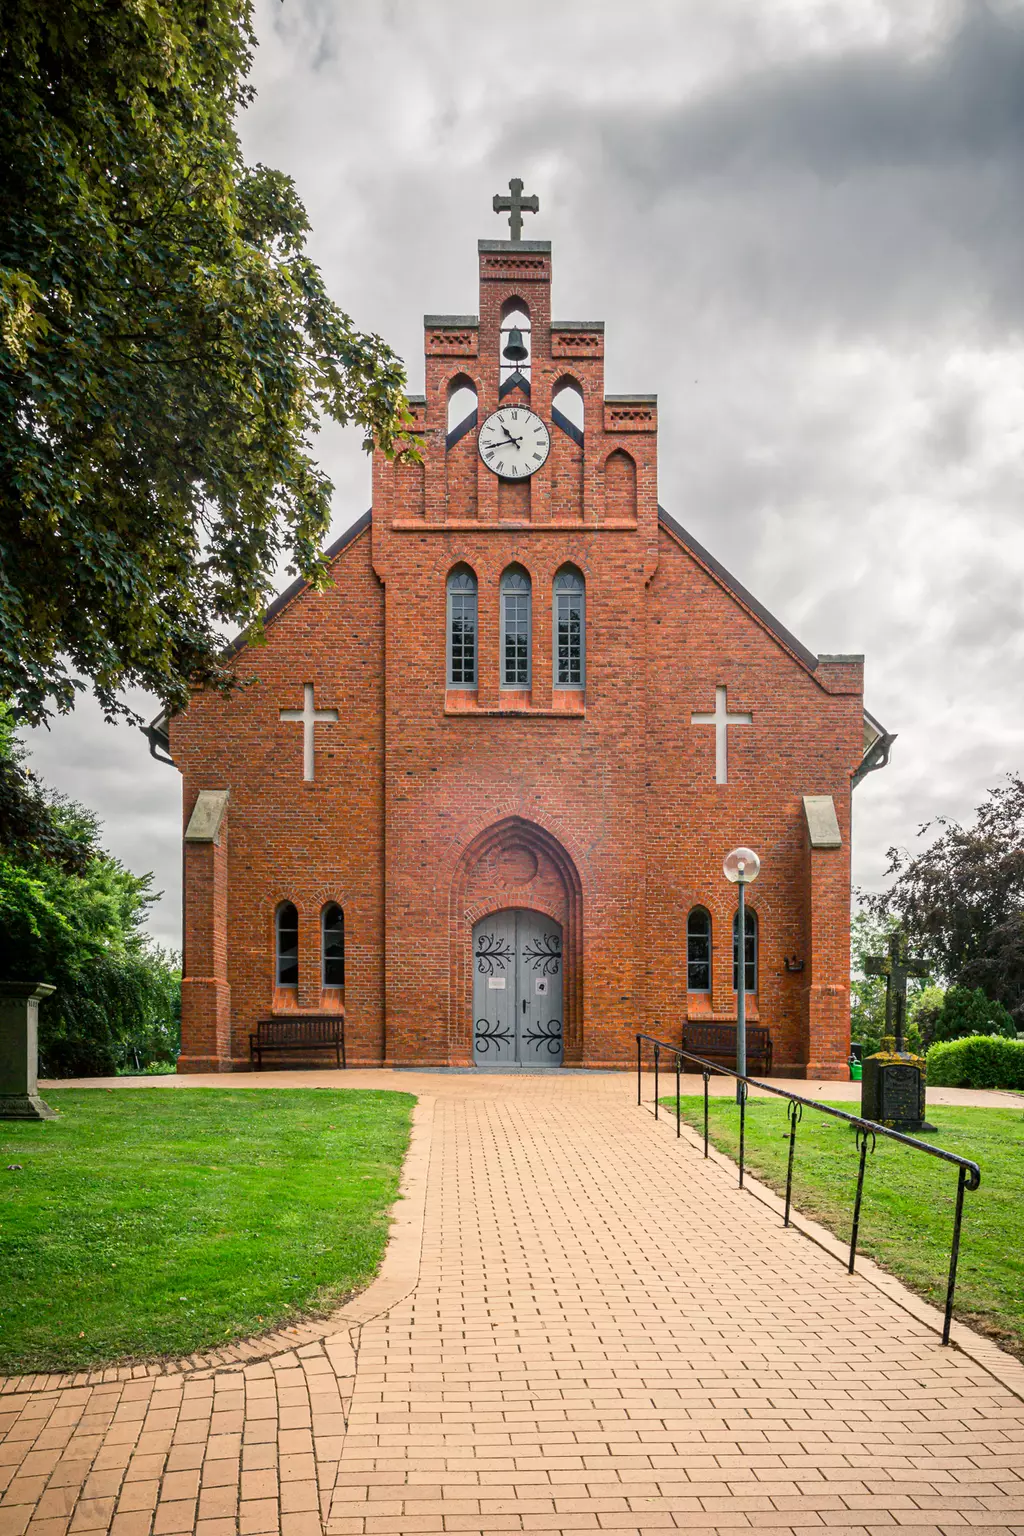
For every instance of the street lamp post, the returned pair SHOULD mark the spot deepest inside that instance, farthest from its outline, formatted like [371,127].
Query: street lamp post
[742,867]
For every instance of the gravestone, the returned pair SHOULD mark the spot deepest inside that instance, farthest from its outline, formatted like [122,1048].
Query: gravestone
[19,1051]
[893,1085]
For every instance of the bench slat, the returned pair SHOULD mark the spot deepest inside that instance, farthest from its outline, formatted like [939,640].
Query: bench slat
[720,1040]
[277,1031]
[301,1033]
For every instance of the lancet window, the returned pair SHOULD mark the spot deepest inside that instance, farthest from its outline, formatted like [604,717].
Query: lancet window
[749,951]
[570,629]
[462,628]
[287,934]
[698,950]
[332,933]
[516,628]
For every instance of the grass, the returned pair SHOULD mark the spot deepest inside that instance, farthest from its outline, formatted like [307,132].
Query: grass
[150,1222]
[907,1214]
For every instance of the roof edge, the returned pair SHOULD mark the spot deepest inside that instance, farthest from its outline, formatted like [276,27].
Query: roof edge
[300,583]
[157,732]
[451,322]
[806,657]
[513,247]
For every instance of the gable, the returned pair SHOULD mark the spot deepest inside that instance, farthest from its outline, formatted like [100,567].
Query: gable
[300,584]
[877,742]
[746,599]
[156,732]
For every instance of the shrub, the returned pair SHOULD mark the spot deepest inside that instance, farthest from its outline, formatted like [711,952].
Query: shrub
[980,1061]
[965,1013]
[925,1010]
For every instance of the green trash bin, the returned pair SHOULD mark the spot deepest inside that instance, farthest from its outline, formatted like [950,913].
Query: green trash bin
[856,1061]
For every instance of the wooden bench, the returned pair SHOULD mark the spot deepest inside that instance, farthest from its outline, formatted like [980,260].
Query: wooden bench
[714,1040]
[304,1032]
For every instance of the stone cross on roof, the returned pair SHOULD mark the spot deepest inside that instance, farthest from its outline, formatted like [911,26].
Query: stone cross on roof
[515,206]
[897,968]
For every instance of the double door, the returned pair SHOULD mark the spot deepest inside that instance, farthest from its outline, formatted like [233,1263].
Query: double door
[517,990]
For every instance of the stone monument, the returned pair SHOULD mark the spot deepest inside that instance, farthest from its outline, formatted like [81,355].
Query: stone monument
[19,1051]
[893,1085]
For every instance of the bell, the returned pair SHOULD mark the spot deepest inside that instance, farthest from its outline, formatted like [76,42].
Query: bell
[514,350]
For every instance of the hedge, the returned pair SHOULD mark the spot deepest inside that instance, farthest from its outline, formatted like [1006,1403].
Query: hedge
[979,1061]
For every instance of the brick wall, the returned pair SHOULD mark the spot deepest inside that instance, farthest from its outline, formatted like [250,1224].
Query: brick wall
[289,840]
[429,810]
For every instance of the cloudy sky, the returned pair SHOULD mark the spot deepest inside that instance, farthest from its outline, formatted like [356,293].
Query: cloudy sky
[803,222]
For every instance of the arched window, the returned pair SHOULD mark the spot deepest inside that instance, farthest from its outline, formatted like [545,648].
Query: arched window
[514,372]
[698,951]
[516,628]
[462,408]
[570,628]
[287,924]
[567,408]
[332,947]
[750,951]
[462,628]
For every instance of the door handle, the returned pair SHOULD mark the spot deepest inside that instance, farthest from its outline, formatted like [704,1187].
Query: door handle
[524,1004]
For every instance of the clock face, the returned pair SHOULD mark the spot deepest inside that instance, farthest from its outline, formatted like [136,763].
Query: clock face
[514,442]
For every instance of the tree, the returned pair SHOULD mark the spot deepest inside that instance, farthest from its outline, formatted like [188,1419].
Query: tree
[925,1012]
[965,1013]
[869,935]
[77,921]
[30,829]
[961,900]
[167,350]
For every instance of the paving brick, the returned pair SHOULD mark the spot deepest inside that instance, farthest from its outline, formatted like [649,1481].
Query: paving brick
[602,1334]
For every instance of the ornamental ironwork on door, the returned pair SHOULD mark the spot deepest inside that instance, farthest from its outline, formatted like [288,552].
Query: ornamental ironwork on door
[517,990]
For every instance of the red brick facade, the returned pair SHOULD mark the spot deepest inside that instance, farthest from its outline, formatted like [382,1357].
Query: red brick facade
[430,807]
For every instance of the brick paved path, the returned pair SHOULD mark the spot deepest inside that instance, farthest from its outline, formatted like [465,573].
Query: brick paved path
[604,1335]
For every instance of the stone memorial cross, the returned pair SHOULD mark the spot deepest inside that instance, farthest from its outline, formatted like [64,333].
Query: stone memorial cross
[897,968]
[515,206]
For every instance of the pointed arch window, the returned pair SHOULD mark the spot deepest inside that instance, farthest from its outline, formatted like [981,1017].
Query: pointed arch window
[462,628]
[567,408]
[332,945]
[698,950]
[515,333]
[749,951]
[287,936]
[516,628]
[569,615]
[463,405]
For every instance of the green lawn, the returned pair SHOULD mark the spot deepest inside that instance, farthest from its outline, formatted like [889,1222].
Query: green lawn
[907,1214]
[147,1222]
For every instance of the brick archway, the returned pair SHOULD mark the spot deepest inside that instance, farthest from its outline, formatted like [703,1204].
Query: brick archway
[513,863]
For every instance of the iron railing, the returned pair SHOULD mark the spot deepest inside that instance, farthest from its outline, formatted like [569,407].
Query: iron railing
[866,1132]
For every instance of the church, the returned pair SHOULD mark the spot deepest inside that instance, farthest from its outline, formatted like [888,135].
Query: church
[471,805]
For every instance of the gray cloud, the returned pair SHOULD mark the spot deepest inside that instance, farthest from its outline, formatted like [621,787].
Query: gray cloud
[804,226]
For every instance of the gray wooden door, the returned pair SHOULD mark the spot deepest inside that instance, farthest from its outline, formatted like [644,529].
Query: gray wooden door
[494,990]
[517,990]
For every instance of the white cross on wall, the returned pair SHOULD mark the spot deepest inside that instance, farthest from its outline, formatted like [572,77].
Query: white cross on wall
[309,717]
[721,720]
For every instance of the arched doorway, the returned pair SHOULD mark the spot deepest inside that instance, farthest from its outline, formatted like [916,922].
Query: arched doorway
[517,990]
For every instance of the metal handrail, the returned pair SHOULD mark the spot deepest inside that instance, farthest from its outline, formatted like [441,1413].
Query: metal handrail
[969,1176]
